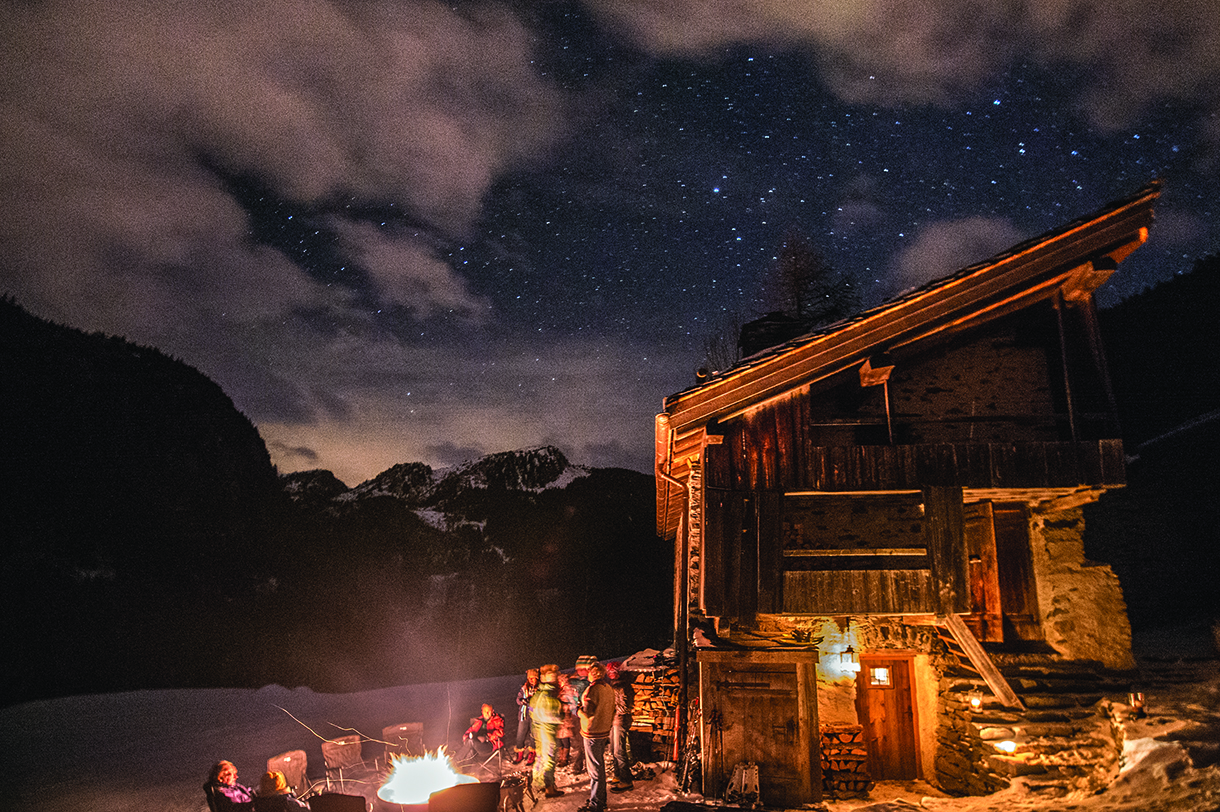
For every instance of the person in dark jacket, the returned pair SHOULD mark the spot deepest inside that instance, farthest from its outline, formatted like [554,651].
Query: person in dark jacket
[579,682]
[223,791]
[596,719]
[523,718]
[275,796]
[620,748]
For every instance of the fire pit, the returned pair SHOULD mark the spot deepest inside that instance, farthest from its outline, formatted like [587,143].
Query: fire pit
[412,780]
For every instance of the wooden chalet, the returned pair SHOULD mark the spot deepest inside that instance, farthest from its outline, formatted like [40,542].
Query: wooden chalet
[863,509]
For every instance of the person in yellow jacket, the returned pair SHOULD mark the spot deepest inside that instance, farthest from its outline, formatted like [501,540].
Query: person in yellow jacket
[596,713]
[546,713]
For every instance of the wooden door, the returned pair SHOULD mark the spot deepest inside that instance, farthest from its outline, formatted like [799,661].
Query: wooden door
[886,707]
[760,708]
[1018,592]
[985,619]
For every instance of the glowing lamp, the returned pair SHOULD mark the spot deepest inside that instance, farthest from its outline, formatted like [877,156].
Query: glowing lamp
[1135,700]
[848,659]
[1006,746]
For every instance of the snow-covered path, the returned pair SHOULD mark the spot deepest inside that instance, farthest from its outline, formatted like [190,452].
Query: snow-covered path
[151,750]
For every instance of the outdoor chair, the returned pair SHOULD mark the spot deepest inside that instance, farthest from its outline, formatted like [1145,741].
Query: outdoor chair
[406,739]
[343,758]
[293,765]
[337,802]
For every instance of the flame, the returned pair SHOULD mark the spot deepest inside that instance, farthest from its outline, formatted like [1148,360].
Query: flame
[413,779]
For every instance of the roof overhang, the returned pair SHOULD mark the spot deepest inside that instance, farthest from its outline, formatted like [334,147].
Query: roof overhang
[1070,261]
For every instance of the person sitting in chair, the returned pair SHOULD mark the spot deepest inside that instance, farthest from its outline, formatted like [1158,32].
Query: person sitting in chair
[484,737]
[223,791]
[275,796]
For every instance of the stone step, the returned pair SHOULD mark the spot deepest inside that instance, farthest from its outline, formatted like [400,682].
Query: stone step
[1044,701]
[1044,685]
[1051,787]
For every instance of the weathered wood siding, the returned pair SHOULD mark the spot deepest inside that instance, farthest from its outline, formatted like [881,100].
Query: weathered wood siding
[985,410]
[881,554]
[766,704]
[863,554]
[735,466]
[981,411]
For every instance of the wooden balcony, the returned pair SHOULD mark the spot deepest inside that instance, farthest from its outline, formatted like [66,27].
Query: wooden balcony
[983,466]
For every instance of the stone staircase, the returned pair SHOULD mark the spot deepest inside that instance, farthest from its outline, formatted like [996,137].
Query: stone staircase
[1063,740]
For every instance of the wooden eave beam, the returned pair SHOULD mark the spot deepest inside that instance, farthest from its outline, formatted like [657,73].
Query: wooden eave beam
[1042,267]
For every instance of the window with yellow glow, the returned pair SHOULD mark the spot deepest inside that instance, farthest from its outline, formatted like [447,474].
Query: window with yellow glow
[879,676]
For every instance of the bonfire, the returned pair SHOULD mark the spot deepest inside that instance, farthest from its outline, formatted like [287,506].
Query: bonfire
[413,778]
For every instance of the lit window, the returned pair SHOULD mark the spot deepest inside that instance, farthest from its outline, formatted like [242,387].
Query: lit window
[879,676]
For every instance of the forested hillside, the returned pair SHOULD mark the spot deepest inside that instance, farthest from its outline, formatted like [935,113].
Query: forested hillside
[150,543]
[1162,532]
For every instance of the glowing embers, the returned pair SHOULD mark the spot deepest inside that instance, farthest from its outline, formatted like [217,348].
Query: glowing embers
[412,780]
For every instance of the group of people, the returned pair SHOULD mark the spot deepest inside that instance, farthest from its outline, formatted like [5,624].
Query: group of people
[273,795]
[562,720]
[567,720]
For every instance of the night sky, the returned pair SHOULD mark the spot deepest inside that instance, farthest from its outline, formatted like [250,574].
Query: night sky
[403,231]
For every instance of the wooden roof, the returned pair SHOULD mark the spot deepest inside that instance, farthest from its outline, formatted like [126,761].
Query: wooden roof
[1073,259]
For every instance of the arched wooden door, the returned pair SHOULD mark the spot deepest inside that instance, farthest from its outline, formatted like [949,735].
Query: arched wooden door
[885,703]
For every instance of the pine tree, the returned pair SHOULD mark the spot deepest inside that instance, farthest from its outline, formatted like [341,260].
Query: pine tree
[807,288]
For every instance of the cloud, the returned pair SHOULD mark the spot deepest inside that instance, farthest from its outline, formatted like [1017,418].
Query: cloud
[942,248]
[502,392]
[449,454]
[113,113]
[295,457]
[1130,55]
[122,124]
[860,209]
[405,271]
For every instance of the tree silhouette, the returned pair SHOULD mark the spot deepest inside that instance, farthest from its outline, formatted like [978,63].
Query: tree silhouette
[806,287]
[801,293]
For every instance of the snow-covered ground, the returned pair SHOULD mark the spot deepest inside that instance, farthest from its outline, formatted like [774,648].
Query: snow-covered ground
[151,750]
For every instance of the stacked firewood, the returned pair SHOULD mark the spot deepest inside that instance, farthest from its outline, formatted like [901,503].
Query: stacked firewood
[844,762]
[656,699]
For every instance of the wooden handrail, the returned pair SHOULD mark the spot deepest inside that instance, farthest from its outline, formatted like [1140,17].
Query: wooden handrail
[978,657]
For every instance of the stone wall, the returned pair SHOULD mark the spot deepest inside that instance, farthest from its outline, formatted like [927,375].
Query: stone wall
[1062,743]
[963,765]
[1083,614]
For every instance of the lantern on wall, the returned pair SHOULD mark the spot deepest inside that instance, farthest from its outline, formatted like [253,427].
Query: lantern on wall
[849,660]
